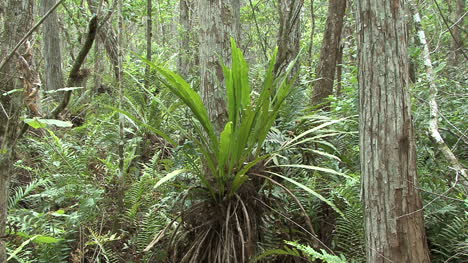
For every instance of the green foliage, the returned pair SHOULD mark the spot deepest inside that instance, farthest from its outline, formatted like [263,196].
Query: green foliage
[239,145]
[314,255]
[299,250]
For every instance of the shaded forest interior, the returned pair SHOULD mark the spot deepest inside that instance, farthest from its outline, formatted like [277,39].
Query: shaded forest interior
[226,131]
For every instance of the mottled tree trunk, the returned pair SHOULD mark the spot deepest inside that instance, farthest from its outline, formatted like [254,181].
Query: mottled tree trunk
[108,37]
[456,55]
[289,34]
[186,53]
[329,53]
[219,21]
[18,20]
[393,208]
[149,34]
[52,50]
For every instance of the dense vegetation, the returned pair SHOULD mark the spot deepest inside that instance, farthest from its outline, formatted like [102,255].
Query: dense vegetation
[133,169]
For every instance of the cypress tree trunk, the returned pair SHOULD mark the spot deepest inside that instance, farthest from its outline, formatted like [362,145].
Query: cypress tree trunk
[456,54]
[289,34]
[329,53]
[185,62]
[219,21]
[18,20]
[393,208]
[149,34]
[52,50]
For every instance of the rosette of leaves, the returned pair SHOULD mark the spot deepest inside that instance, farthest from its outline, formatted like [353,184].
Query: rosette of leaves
[221,222]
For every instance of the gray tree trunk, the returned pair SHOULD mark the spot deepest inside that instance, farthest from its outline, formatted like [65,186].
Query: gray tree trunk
[186,54]
[289,34]
[51,48]
[219,21]
[149,34]
[456,54]
[108,38]
[392,205]
[18,20]
[329,53]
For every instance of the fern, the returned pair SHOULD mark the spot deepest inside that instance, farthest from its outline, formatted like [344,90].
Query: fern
[314,255]
[20,193]
[449,242]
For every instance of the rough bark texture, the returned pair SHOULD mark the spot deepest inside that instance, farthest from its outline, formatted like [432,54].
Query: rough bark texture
[18,20]
[393,209]
[149,34]
[186,55]
[219,21]
[51,49]
[108,37]
[329,53]
[289,34]
[456,55]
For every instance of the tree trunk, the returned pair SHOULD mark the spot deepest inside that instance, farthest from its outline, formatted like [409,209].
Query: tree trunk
[18,20]
[149,34]
[289,34]
[52,50]
[339,71]
[186,54]
[325,72]
[312,34]
[219,21]
[392,205]
[456,55]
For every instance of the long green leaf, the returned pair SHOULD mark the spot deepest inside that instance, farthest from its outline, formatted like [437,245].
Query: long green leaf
[189,96]
[149,127]
[310,191]
[224,146]
[317,168]
[168,177]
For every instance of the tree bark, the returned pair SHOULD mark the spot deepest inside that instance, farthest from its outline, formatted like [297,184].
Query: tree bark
[392,205]
[289,34]
[149,34]
[18,20]
[185,62]
[51,49]
[77,75]
[107,37]
[219,21]
[329,53]
[456,54]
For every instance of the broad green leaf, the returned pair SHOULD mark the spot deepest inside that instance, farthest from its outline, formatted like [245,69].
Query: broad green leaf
[58,123]
[189,96]
[225,141]
[42,123]
[35,123]
[168,177]
[40,239]
[241,176]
